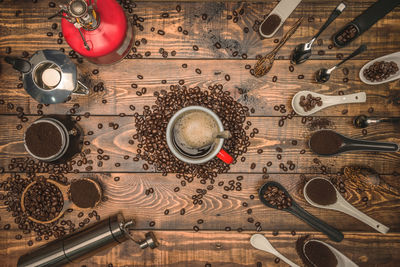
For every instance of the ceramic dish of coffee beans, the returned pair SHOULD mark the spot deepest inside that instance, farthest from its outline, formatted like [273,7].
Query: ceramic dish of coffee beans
[381,70]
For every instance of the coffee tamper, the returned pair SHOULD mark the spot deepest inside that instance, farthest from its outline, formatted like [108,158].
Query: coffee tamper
[363,121]
[49,76]
[85,243]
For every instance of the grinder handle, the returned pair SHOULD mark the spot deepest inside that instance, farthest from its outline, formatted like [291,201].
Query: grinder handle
[19,64]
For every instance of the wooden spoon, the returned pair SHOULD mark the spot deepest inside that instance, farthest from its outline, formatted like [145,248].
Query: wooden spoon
[65,193]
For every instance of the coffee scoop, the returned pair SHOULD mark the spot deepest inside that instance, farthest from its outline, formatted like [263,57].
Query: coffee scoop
[341,259]
[363,121]
[295,209]
[68,203]
[330,143]
[321,193]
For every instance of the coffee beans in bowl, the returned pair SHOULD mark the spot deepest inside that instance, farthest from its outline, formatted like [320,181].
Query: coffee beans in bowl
[380,71]
[309,102]
[43,201]
[277,197]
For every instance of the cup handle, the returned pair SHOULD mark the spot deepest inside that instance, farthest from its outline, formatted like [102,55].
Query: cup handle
[224,156]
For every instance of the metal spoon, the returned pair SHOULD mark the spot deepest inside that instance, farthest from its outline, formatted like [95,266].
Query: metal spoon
[363,121]
[349,144]
[323,75]
[295,209]
[264,64]
[342,260]
[261,242]
[303,51]
[327,101]
[342,205]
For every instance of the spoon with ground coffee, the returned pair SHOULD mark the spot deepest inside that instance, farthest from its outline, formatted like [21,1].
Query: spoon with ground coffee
[274,195]
[260,242]
[306,103]
[321,254]
[329,143]
[321,193]
[80,194]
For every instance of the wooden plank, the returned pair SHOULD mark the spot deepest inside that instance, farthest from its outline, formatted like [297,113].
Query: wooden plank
[115,144]
[29,30]
[227,249]
[127,195]
[262,94]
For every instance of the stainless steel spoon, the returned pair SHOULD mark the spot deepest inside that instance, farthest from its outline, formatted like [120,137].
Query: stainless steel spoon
[303,51]
[323,75]
[363,121]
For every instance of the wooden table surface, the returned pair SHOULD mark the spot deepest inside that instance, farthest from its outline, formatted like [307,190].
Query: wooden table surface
[179,244]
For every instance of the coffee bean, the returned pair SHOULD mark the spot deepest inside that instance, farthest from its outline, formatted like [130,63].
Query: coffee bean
[301,76]
[291,68]
[182,211]
[152,223]
[52,4]
[161,32]
[195,48]
[227,77]
[8,50]
[178,8]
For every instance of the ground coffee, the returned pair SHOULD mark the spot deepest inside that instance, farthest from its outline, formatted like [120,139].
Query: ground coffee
[43,139]
[84,193]
[270,24]
[321,191]
[319,254]
[325,142]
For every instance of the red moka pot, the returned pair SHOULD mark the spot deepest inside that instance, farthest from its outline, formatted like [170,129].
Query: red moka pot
[98,31]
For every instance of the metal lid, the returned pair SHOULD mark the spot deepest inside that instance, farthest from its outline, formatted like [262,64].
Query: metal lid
[53,77]
[77,8]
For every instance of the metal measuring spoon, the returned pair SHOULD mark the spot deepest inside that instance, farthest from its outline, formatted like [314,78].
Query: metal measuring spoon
[342,205]
[349,144]
[303,51]
[261,242]
[295,209]
[363,121]
[342,260]
[327,101]
[65,193]
[323,75]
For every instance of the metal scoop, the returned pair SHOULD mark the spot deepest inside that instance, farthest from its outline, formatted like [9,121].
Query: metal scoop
[295,209]
[261,242]
[342,260]
[342,205]
[323,75]
[303,51]
[327,101]
[349,144]
[65,193]
[363,121]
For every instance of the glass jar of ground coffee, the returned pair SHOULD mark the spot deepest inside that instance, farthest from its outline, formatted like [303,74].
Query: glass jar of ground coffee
[53,138]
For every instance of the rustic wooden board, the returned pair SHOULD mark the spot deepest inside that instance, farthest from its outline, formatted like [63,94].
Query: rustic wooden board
[128,196]
[115,144]
[227,249]
[28,30]
[180,245]
[262,94]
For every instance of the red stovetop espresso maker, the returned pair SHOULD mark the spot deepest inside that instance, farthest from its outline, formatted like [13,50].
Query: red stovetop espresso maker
[96,29]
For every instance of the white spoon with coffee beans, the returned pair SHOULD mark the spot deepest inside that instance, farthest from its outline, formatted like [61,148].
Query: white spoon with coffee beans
[261,242]
[339,204]
[327,101]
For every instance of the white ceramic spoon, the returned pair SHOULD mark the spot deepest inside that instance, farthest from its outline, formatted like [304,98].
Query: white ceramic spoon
[342,260]
[327,101]
[342,205]
[391,57]
[261,242]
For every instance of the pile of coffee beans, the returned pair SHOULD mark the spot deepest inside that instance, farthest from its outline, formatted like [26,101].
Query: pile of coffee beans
[347,34]
[310,102]
[151,130]
[380,70]
[43,201]
[277,197]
